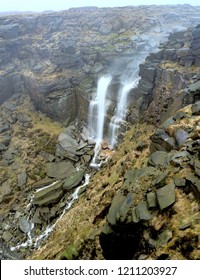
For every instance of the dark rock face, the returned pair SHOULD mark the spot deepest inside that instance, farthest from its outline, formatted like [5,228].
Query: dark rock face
[164,77]
[57,58]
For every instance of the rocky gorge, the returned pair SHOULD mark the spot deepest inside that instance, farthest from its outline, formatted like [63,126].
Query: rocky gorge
[144,201]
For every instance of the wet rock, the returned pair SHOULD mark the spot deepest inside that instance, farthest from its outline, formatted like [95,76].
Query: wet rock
[166,196]
[42,183]
[25,225]
[48,195]
[151,200]
[6,253]
[60,170]
[22,178]
[159,158]
[142,211]
[73,180]
[181,136]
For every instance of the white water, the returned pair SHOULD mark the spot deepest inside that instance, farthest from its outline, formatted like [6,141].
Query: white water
[120,111]
[36,241]
[97,112]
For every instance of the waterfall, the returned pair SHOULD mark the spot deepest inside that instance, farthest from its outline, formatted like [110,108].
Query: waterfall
[97,111]
[120,111]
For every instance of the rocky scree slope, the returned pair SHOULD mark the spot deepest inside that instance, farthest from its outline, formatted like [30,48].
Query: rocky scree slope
[57,58]
[146,200]
[144,204]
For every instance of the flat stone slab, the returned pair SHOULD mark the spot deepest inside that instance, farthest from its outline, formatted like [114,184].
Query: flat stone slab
[60,170]
[166,196]
[73,180]
[48,195]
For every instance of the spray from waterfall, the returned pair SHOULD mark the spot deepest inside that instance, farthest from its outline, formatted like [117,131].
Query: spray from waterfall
[97,112]
[120,111]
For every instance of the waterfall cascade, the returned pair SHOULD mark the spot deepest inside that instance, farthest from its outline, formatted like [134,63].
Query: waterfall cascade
[120,111]
[97,111]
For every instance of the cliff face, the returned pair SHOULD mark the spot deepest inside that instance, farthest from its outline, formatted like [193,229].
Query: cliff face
[57,58]
[166,75]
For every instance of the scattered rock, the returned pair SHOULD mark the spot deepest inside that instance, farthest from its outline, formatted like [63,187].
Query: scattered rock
[159,158]
[48,195]
[159,180]
[25,225]
[166,196]
[60,170]
[22,178]
[197,166]
[73,180]
[142,211]
[7,236]
[164,237]
[151,200]
[181,136]
[196,106]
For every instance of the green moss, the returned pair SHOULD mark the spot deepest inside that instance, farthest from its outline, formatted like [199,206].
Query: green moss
[112,180]
[70,253]
[46,143]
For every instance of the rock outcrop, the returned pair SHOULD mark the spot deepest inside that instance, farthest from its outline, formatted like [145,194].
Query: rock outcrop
[57,58]
[166,77]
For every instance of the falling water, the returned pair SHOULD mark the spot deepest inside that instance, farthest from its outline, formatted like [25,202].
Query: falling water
[120,111]
[45,234]
[97,111]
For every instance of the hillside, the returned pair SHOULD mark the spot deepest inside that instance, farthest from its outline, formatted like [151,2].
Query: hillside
[143,203]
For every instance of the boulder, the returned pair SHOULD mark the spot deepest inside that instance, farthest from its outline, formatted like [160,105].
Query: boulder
[114,210]
[7,236]
[5,189]
[161,141]
[25,224]
[142,211]
[151,200]
[166,196]
[160,179]
[48,195]
[196,106]
[73,180]
[197,167]
[181,136]
[60,170]
[159,158]
[22,178]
